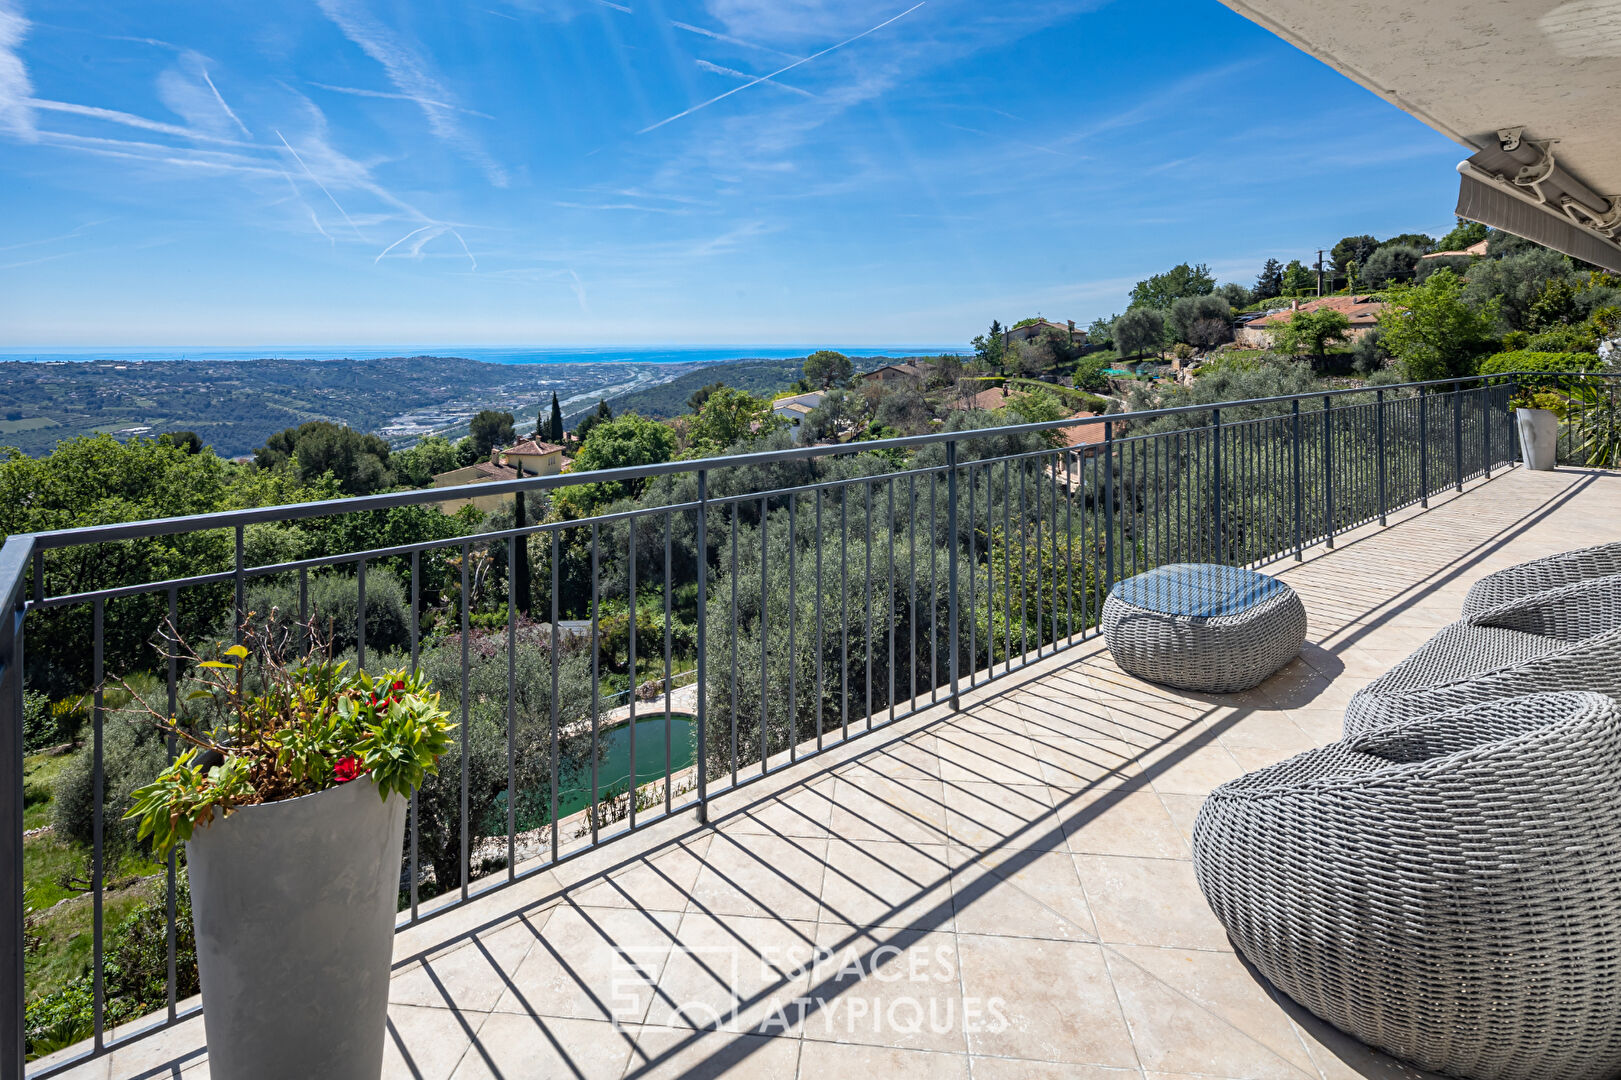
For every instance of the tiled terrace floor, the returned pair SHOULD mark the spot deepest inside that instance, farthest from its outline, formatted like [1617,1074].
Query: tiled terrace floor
[1003,892]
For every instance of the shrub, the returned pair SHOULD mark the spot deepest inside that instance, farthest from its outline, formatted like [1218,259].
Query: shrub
[334,601]
[40,728]
[132,754]
[1532,360]
[135,973]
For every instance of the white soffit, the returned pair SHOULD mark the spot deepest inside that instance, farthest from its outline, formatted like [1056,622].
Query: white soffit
[1471,67]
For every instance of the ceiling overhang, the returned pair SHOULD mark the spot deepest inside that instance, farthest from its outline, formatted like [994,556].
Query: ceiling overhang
[1535,81]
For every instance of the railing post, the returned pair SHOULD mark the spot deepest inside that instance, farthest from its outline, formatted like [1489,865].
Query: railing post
[1457,436]
[951,543]
[1485,432]
[1299,497]
[1215,458]
[1379,437]
[1328,470]
[703,644]
[1424,447]
[13,570]
[1108,505]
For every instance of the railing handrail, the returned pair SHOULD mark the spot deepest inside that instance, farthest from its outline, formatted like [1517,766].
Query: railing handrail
[224,519]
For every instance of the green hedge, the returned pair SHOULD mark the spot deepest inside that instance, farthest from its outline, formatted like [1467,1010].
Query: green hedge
[1528,360]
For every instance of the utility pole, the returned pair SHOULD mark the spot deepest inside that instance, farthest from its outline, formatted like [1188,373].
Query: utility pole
[1319,272]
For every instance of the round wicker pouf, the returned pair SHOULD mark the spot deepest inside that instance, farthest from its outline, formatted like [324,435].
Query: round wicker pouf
[1205,627]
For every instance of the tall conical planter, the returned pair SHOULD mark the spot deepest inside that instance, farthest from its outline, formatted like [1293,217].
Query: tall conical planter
[1539,437]
[294,906]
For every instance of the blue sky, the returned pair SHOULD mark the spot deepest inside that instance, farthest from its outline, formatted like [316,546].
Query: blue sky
[550,172]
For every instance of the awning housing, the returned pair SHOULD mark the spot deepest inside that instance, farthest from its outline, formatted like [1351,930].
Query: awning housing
[1519,187]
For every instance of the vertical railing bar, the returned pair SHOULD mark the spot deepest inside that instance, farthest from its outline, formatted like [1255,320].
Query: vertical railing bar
[934,598]
[820,644]
[765,619]
[702,752]
[668,653]
[734,541]
[466,849]
[889,601]
[1052,507]
[866,634]
[1328,470]
[793,629]
[360,612]
[240,585]
[630,601]
[596,673]
[1300,525]
[1007,564]
[1457,436]
[954,634]
[1036,486]
[1215,471]
[1108,512]
[414,869]
[911,592]
[1069,542]
[13,947]
[512,707]
[98,794]
[1379,438]
[556,768]
[1024,574]
[973,578]
[844,609]
[171,682]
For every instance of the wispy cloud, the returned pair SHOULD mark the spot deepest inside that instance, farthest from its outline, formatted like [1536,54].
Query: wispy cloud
[733,73]
[317,182]
[413,76]
[16,92]
[782,70]
[355,91]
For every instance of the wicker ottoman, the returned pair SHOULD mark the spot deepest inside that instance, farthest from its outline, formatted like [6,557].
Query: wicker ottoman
[1199,626]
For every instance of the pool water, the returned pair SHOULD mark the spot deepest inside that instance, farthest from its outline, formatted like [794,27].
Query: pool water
[613,769]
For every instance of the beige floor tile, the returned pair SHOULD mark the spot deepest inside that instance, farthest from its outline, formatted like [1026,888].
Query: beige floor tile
[867,806]
[795,811]
[820,1060]
[1184,811]
[1275,731]
[427,1043]
[974,757]
[1076,764]
[514,1044]
[1190,768]
[1148,902]
[983,816]
[1044,1000]
[1020,893]
[734,974]
[680,1054]
[908,759]
[1120,821]
[994,1068]
[592,963]
[869,883]
[472,977]
[887,987]
[1201,1012]
[660,880]
[763,876]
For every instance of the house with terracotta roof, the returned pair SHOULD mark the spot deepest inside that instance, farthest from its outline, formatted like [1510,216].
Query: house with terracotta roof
[911,371]
[1361,311]
[528,458]
[794,409]
[1032,330]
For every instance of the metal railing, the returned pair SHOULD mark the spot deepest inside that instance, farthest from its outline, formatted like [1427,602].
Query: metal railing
[819,593]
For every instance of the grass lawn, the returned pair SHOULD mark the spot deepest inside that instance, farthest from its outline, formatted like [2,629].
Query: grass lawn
[64,929]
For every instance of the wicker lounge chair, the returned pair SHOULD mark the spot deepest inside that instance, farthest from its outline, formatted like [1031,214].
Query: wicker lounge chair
[1444,889]
[1527,579]
[1567,638]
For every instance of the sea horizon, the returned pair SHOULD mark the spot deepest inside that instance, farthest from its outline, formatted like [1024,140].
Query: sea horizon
[575,354]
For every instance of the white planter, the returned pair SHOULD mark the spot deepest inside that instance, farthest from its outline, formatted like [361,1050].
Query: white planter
[294,905]
[1539,437]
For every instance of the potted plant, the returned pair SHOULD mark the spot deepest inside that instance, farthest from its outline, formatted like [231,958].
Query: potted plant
[1536,416]
[291,801]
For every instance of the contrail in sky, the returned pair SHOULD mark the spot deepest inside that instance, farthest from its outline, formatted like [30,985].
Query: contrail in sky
[781,71]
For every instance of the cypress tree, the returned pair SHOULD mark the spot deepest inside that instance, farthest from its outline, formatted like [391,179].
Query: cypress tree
[555,432]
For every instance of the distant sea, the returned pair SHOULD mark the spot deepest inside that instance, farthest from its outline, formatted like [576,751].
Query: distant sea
[604,354]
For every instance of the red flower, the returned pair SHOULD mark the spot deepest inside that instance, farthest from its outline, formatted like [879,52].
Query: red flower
[347,769]
[398,686]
